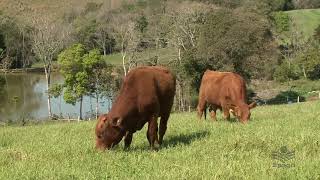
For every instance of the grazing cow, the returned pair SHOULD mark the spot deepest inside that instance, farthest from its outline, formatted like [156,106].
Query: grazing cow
[225,91]
[146,94]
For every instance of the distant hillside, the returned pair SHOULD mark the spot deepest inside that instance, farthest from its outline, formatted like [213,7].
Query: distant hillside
[307,20]
[55,9]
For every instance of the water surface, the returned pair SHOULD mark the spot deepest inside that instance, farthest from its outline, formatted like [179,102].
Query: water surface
[25,96]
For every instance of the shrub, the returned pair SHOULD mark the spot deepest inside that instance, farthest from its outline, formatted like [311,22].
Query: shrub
[282,21]
[286,72]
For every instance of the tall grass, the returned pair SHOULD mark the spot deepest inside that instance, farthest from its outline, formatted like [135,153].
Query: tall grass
[192,149]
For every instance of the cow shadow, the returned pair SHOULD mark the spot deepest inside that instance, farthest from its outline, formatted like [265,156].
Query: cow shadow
[183,139]
[232,120]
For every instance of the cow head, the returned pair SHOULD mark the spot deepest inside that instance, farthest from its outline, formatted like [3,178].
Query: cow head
[243,112]
[108,132]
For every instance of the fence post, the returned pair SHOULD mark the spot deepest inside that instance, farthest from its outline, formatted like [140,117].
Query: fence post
[298,100]
[78,118]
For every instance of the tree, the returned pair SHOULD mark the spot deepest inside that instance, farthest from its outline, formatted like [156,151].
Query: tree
[234,40]
[48,39]
[309,61]
[306,4]
[103,38]
[123,32]
[100,79]
[76,82]
[84,31]
[15,43]
[85,73]
[185,21]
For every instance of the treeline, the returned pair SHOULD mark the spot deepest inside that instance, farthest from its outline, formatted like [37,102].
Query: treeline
[239,35]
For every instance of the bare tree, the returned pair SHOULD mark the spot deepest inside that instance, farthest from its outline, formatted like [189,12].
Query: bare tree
[102,37]
[185,19]
[48,39]
[124,33]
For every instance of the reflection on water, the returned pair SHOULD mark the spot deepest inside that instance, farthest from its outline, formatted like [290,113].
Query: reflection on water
[25,97]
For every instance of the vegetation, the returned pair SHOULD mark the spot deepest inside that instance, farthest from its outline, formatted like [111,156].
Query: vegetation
[306,20]
[2,84]
[267,39]
[85,73]
[195,149]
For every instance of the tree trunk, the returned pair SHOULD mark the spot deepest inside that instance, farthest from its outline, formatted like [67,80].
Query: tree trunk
[23,51]
[179,99]
[304,72]
[182,97]
[81,99]
[123,64]
[104,49]
[60,109]
[97,105]
[48,74]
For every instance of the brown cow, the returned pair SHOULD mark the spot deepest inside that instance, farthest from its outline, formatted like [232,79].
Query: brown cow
[225,91]
[146,94]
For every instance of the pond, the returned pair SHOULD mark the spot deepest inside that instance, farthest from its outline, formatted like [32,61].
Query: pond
[25,96]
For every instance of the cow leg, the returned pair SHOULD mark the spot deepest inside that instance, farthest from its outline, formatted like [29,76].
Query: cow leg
[201,108]
[163,127]
[213,112]
[152,133]
[127,139]
[226,113]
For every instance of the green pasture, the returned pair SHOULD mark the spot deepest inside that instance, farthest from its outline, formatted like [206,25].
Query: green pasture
[306,20]
[280,142]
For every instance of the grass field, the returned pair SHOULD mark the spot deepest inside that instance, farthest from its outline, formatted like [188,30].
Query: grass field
[191,150]
[307,20]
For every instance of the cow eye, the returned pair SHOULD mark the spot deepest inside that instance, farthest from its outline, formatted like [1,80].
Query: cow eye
[99,136]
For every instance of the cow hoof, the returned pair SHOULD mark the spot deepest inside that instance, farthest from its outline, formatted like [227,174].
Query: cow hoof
[155,147]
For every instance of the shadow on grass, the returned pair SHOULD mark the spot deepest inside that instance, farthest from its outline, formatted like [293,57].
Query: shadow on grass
[232,120]
[168,142]
[183,139]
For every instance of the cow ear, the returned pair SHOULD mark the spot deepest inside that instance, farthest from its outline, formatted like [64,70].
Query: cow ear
[103,118]
[252,105]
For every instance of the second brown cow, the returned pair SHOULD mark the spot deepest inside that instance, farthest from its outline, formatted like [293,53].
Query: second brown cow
[225,91]
[146,94]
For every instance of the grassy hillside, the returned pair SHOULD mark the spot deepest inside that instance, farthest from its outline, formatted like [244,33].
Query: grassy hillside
[306,20]
[192,149]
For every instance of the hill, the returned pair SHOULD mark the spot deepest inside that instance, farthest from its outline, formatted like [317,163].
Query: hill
[55,9]
[280,142]
[306,20]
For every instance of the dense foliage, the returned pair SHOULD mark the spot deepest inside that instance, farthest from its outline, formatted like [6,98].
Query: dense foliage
[85,73]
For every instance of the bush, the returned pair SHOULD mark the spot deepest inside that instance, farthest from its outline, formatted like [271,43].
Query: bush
[286,72]
[282,21]
[309,63]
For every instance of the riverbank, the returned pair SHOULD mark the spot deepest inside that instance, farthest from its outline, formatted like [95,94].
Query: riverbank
[26,70]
